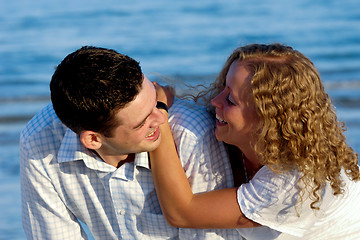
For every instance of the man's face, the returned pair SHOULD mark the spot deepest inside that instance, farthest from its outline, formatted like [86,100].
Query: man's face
[139,128]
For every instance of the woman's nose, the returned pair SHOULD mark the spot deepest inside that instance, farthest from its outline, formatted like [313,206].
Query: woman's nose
[216,101]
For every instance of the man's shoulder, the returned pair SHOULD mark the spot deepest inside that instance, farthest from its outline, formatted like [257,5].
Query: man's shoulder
[188,115]
[45,122]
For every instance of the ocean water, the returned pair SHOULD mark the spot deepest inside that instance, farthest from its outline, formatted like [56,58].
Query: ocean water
[185,40]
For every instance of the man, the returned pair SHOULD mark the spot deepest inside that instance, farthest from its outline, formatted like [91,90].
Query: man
[84,156]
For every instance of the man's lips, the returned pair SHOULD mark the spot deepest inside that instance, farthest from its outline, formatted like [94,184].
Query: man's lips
[153,135]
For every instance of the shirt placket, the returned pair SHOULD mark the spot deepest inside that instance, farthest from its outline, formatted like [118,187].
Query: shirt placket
[126,195]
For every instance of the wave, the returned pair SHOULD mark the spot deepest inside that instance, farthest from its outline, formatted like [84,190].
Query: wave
[337,84]
[15,119]
[25,99]
[20,107]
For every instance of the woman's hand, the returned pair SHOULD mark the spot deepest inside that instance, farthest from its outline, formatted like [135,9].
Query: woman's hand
[165,94]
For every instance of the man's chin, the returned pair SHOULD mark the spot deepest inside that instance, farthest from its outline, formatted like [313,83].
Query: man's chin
[153,145]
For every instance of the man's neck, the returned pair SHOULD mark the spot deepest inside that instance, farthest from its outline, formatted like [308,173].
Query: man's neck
[117,161]
[130,158]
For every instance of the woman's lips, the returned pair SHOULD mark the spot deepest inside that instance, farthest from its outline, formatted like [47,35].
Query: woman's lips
[220,121]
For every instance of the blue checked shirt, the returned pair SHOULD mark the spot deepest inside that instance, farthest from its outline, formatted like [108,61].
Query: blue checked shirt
[63,183]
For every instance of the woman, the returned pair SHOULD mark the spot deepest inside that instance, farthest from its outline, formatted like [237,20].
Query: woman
[302,179]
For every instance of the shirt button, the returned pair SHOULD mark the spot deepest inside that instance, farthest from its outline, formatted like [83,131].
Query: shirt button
[122,212]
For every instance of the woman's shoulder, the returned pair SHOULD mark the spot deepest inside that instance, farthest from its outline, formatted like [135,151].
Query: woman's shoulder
[266,175]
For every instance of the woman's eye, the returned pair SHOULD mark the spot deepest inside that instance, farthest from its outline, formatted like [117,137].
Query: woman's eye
[229,101]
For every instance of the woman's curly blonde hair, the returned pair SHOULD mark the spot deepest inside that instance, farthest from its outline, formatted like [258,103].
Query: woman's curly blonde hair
[298,126]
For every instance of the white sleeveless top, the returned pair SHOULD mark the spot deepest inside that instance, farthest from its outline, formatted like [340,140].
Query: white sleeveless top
[269,200]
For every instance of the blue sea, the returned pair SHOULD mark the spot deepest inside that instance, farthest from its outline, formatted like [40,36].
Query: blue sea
[185,40]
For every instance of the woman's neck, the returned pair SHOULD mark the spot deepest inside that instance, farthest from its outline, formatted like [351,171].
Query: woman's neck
[240,163]
[250,167]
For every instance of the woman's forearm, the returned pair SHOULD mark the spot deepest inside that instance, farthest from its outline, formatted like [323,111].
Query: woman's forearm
[172,188]
[182,208]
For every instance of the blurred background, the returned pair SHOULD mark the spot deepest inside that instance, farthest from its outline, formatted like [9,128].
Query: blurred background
[185,40]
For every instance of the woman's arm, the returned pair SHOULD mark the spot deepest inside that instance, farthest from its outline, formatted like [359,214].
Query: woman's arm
[182,208]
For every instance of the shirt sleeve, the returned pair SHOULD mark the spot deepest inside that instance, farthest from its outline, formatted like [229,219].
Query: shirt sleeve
[44,215]
[204,159]
[270,199]
[205,162]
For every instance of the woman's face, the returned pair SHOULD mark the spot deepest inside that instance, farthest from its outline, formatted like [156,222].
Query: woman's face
[236,117]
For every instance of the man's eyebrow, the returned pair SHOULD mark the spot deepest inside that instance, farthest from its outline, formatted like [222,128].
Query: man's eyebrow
[142,122]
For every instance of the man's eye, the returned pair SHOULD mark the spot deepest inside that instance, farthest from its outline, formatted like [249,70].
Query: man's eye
[141,125]
[229,101]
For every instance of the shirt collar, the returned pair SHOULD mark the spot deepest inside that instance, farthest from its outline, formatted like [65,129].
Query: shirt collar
[142,160]
[128,170]
[71,149]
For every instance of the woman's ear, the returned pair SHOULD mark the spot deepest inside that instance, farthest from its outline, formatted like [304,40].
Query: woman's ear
[91,140]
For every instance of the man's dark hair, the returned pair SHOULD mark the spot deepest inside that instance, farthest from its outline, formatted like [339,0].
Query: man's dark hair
[90,85]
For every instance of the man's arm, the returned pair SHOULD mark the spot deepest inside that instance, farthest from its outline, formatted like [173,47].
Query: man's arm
[44,214]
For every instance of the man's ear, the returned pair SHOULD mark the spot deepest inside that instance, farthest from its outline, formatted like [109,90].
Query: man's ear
[91,140]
